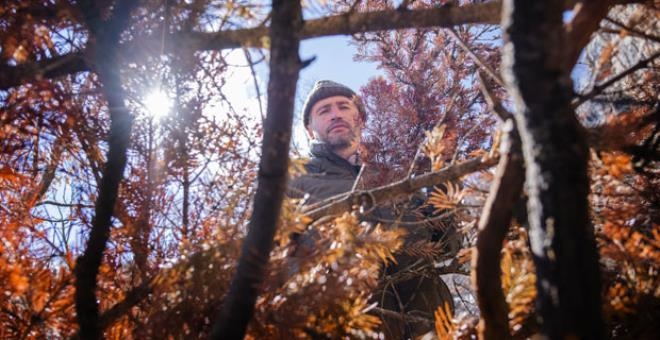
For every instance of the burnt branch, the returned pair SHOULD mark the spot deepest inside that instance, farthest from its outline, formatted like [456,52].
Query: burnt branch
[493,225]
[368,199]
[238,307]
[345,24]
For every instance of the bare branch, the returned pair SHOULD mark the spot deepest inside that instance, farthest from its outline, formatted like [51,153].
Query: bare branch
[368,199]
[493,104]
[631,30]
[489,70]
[406,317]
[598,89]
[346,24]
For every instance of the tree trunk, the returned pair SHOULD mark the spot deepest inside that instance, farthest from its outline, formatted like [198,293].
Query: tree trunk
[121,122]
[285,65]
[556,155]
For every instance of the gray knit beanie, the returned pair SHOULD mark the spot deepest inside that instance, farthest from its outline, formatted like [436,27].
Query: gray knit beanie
[327,88]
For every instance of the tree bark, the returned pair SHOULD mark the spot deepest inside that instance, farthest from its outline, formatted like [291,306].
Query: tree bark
[556,155]
[285,65]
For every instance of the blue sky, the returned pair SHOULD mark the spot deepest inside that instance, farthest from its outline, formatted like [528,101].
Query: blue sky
[334,61]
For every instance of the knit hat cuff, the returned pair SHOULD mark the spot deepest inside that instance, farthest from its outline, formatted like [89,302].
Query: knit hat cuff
[324,89]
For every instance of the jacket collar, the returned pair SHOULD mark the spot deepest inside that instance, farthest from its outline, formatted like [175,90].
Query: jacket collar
[321,150]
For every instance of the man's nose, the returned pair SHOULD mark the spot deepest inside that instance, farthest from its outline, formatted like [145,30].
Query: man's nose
[335,113]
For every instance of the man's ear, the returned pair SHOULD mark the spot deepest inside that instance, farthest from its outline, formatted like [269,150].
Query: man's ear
[310,132]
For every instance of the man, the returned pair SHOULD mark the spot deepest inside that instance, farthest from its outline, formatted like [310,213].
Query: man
[334,117]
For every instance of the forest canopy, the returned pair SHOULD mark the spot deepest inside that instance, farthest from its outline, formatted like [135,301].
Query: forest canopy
[529,128]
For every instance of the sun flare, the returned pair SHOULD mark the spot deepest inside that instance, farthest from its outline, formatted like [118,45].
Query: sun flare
[157,103]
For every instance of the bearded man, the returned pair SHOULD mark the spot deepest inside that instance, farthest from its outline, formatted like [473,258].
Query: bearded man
[334,117]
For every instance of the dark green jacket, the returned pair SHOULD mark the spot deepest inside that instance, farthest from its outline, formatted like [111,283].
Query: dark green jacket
[327,175]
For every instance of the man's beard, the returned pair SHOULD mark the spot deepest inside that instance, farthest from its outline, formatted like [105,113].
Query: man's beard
[340,141]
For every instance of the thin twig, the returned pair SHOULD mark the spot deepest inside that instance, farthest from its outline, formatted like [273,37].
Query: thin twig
[598,89]
[493,105]
[248,57]
[404,316]
[633,30]
[477,60]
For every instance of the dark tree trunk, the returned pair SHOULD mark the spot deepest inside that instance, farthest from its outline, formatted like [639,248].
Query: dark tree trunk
[105,41]
[556,155]
[285,65]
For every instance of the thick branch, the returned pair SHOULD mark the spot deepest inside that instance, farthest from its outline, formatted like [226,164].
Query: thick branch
[493,225]
[350,23]
[371,198]
[285,65]
[55,67]
[588,15]
[357,22]
[556,155]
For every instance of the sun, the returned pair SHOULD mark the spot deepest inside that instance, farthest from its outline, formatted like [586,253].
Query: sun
[157,103]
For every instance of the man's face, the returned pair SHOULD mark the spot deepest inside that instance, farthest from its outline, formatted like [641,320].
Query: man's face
[336,122]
